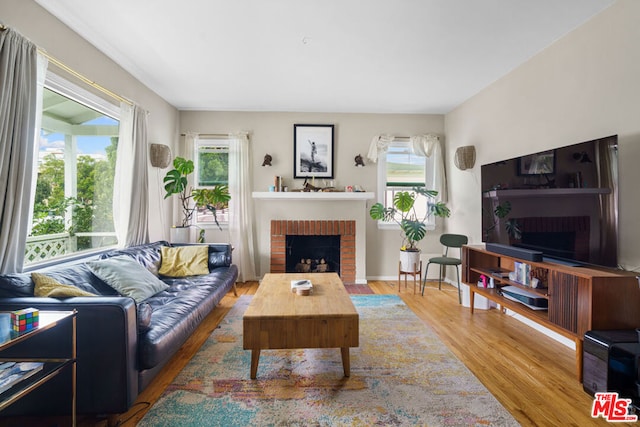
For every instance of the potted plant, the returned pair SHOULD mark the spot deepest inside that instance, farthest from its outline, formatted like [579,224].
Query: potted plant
[413,227]
[176,181]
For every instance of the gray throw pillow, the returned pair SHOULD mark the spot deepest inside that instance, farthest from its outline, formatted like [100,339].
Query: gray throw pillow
[127,277]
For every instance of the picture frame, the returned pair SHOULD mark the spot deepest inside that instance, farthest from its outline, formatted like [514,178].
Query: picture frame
[313,147]
[543,163]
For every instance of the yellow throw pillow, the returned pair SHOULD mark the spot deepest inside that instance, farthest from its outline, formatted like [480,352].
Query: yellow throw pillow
[183,261]
[49,287]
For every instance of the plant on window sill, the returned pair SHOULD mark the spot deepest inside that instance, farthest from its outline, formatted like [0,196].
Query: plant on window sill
[413,228]
[176,182]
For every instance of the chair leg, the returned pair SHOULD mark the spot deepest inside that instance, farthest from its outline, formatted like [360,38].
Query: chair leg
[440,277]
[458,277]
[424,279]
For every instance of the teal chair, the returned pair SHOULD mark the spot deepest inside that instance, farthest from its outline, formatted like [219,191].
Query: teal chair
[448,241]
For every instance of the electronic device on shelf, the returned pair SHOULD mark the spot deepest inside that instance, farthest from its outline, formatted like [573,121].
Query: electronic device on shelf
[610,362]
[547,205]
[530,299]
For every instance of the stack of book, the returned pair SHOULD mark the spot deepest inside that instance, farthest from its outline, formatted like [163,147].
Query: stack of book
[301,287]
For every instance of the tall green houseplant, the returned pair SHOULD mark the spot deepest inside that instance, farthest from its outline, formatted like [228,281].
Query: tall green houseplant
[403,212]
[176,182]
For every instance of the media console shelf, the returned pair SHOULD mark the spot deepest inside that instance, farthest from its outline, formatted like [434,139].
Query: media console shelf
[580,298]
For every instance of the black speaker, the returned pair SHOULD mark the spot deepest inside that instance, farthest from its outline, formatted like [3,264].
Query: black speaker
[601,368]
[526,254]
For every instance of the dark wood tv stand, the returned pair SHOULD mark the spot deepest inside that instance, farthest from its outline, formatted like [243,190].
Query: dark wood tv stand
[580,298]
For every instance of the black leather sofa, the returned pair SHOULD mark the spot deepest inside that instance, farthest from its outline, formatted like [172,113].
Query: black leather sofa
[121,345]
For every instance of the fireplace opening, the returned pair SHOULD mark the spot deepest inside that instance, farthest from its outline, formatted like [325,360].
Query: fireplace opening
[312,254]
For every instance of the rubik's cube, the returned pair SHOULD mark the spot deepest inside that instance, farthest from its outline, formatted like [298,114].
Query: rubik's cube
[25,319]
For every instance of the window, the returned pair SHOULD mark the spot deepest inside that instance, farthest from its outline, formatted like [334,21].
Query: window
[72,210]
[212,168]
[400,169]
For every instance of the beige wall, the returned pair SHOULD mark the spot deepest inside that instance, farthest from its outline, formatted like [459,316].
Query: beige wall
[58,40]
[273,133]
[585,86]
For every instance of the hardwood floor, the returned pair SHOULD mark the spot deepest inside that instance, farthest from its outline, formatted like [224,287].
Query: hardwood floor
[532,375]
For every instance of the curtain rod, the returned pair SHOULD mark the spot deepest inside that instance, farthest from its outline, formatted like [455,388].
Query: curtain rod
[210,135]
[76,74]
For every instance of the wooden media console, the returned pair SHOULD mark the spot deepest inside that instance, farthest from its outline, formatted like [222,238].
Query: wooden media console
[580,299]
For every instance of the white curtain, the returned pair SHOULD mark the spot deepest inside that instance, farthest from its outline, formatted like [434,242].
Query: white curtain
[241,207]
[189,146]
[430,147]
[19,77]
[131,180]
[379,144]
[423,145]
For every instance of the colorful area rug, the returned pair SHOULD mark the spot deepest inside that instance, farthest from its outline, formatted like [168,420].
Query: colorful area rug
[401,375]
[361,289]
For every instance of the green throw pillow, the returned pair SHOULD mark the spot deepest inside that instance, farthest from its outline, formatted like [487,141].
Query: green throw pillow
[46,286]
[128,277]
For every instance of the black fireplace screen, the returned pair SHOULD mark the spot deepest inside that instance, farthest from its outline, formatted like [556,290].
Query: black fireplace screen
[312,254]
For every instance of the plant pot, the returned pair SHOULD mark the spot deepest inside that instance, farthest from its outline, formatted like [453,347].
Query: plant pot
[180,234]
[409,261]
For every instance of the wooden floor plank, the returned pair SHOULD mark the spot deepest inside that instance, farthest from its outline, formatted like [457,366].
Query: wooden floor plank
[532,375]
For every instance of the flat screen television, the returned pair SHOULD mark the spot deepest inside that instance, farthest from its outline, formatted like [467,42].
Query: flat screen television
[562,202]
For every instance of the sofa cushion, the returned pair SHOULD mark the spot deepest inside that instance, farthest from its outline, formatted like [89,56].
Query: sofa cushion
[46,286]
[21,284]
[147,255]
[178,310]
[16,285]
[184,261]
[127,277]
[144,313]
[219,259]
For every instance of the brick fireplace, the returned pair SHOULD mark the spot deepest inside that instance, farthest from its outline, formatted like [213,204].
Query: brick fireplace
[346,229]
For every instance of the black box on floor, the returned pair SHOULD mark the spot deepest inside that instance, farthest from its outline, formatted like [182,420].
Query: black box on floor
[602,368]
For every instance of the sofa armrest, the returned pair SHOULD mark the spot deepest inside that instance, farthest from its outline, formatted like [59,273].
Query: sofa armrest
[107,340]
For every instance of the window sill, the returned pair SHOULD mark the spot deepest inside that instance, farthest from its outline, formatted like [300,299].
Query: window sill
[212,226]
[320,196]
[74,258]
[394,226]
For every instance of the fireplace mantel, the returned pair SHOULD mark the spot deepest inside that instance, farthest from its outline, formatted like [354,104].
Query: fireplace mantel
[318,196]
[301,207]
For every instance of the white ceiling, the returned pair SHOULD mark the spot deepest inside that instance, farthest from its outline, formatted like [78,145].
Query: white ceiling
[382,56]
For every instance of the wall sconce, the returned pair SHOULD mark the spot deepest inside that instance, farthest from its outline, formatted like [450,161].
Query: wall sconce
[359,161]
[267,160]
[159,155]
[582,157]
[465,157]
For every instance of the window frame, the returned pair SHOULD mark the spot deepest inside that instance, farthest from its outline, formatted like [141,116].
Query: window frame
[383,188]
[80,95]
[209,142]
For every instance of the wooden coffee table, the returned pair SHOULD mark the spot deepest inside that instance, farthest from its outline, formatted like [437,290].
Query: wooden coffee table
[279,319]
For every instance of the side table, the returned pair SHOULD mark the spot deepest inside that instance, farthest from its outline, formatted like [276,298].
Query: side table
[417,271]
[10,351]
